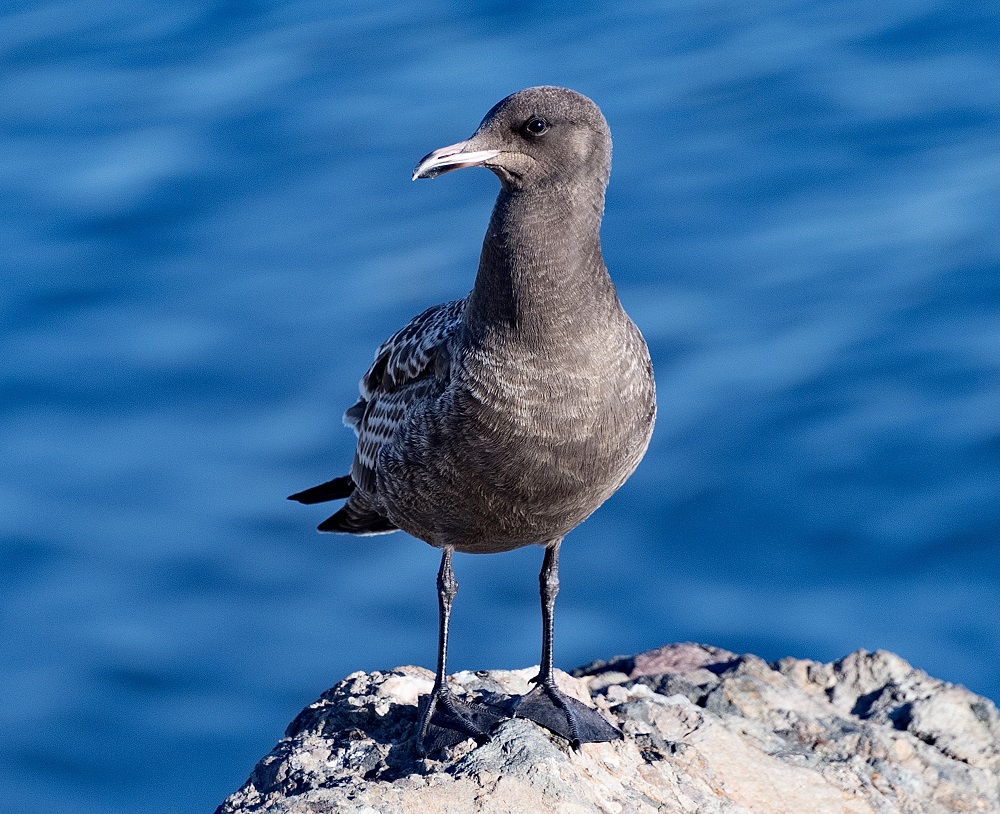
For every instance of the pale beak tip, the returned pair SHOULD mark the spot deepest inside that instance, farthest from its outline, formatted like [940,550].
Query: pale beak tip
[453,157]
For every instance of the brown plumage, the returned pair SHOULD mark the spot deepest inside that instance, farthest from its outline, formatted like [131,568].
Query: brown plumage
[506,418]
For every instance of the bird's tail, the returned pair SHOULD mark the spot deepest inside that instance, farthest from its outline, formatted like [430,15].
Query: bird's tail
[357,516]
[335,489]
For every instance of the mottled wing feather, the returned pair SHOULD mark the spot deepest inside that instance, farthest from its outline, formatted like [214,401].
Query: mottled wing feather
[401,375]
[383,415]
[405,355]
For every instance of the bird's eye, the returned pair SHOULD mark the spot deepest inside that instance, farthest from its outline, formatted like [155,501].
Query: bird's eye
[535,126]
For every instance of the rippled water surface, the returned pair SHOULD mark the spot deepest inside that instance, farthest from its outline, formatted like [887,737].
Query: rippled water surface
[208,225]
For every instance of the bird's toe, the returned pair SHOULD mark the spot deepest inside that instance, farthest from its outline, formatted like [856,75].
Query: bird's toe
[447,720]
[548,706]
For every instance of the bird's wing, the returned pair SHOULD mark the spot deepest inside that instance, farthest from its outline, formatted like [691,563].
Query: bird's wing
[402,374]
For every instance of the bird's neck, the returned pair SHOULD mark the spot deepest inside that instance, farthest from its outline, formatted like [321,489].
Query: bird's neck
[541,269]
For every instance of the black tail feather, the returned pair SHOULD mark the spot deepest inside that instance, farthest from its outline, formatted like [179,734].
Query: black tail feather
[353,519]
[335,489]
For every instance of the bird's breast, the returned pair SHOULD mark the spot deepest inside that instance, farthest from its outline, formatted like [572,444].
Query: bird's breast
[520,447]
[575,420]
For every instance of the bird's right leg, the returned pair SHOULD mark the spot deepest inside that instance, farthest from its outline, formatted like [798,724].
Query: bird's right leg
[447,719]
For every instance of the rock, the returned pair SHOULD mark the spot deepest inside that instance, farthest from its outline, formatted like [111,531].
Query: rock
[706,732]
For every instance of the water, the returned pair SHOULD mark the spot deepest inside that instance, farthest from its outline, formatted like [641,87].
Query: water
[208,225]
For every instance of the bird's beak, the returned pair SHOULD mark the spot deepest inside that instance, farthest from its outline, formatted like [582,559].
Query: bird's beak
[452,157]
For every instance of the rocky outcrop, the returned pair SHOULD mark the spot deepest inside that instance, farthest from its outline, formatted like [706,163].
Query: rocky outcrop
[706,732]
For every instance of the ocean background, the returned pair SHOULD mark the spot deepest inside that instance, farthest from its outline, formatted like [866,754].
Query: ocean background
[207,225]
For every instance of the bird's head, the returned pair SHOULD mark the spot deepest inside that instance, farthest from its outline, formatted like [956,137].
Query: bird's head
[533,138]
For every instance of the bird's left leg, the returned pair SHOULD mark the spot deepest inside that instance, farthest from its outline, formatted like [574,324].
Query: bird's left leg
[546,704]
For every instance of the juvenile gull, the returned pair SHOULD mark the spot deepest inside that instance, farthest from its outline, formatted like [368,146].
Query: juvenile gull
[506,418]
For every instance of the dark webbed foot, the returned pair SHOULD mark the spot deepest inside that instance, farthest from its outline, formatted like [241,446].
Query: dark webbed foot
[448,720]
[548,706]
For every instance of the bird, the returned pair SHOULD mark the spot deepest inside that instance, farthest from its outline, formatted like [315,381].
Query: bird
[506,418]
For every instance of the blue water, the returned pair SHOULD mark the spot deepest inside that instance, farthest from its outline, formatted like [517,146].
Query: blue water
[208,224]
